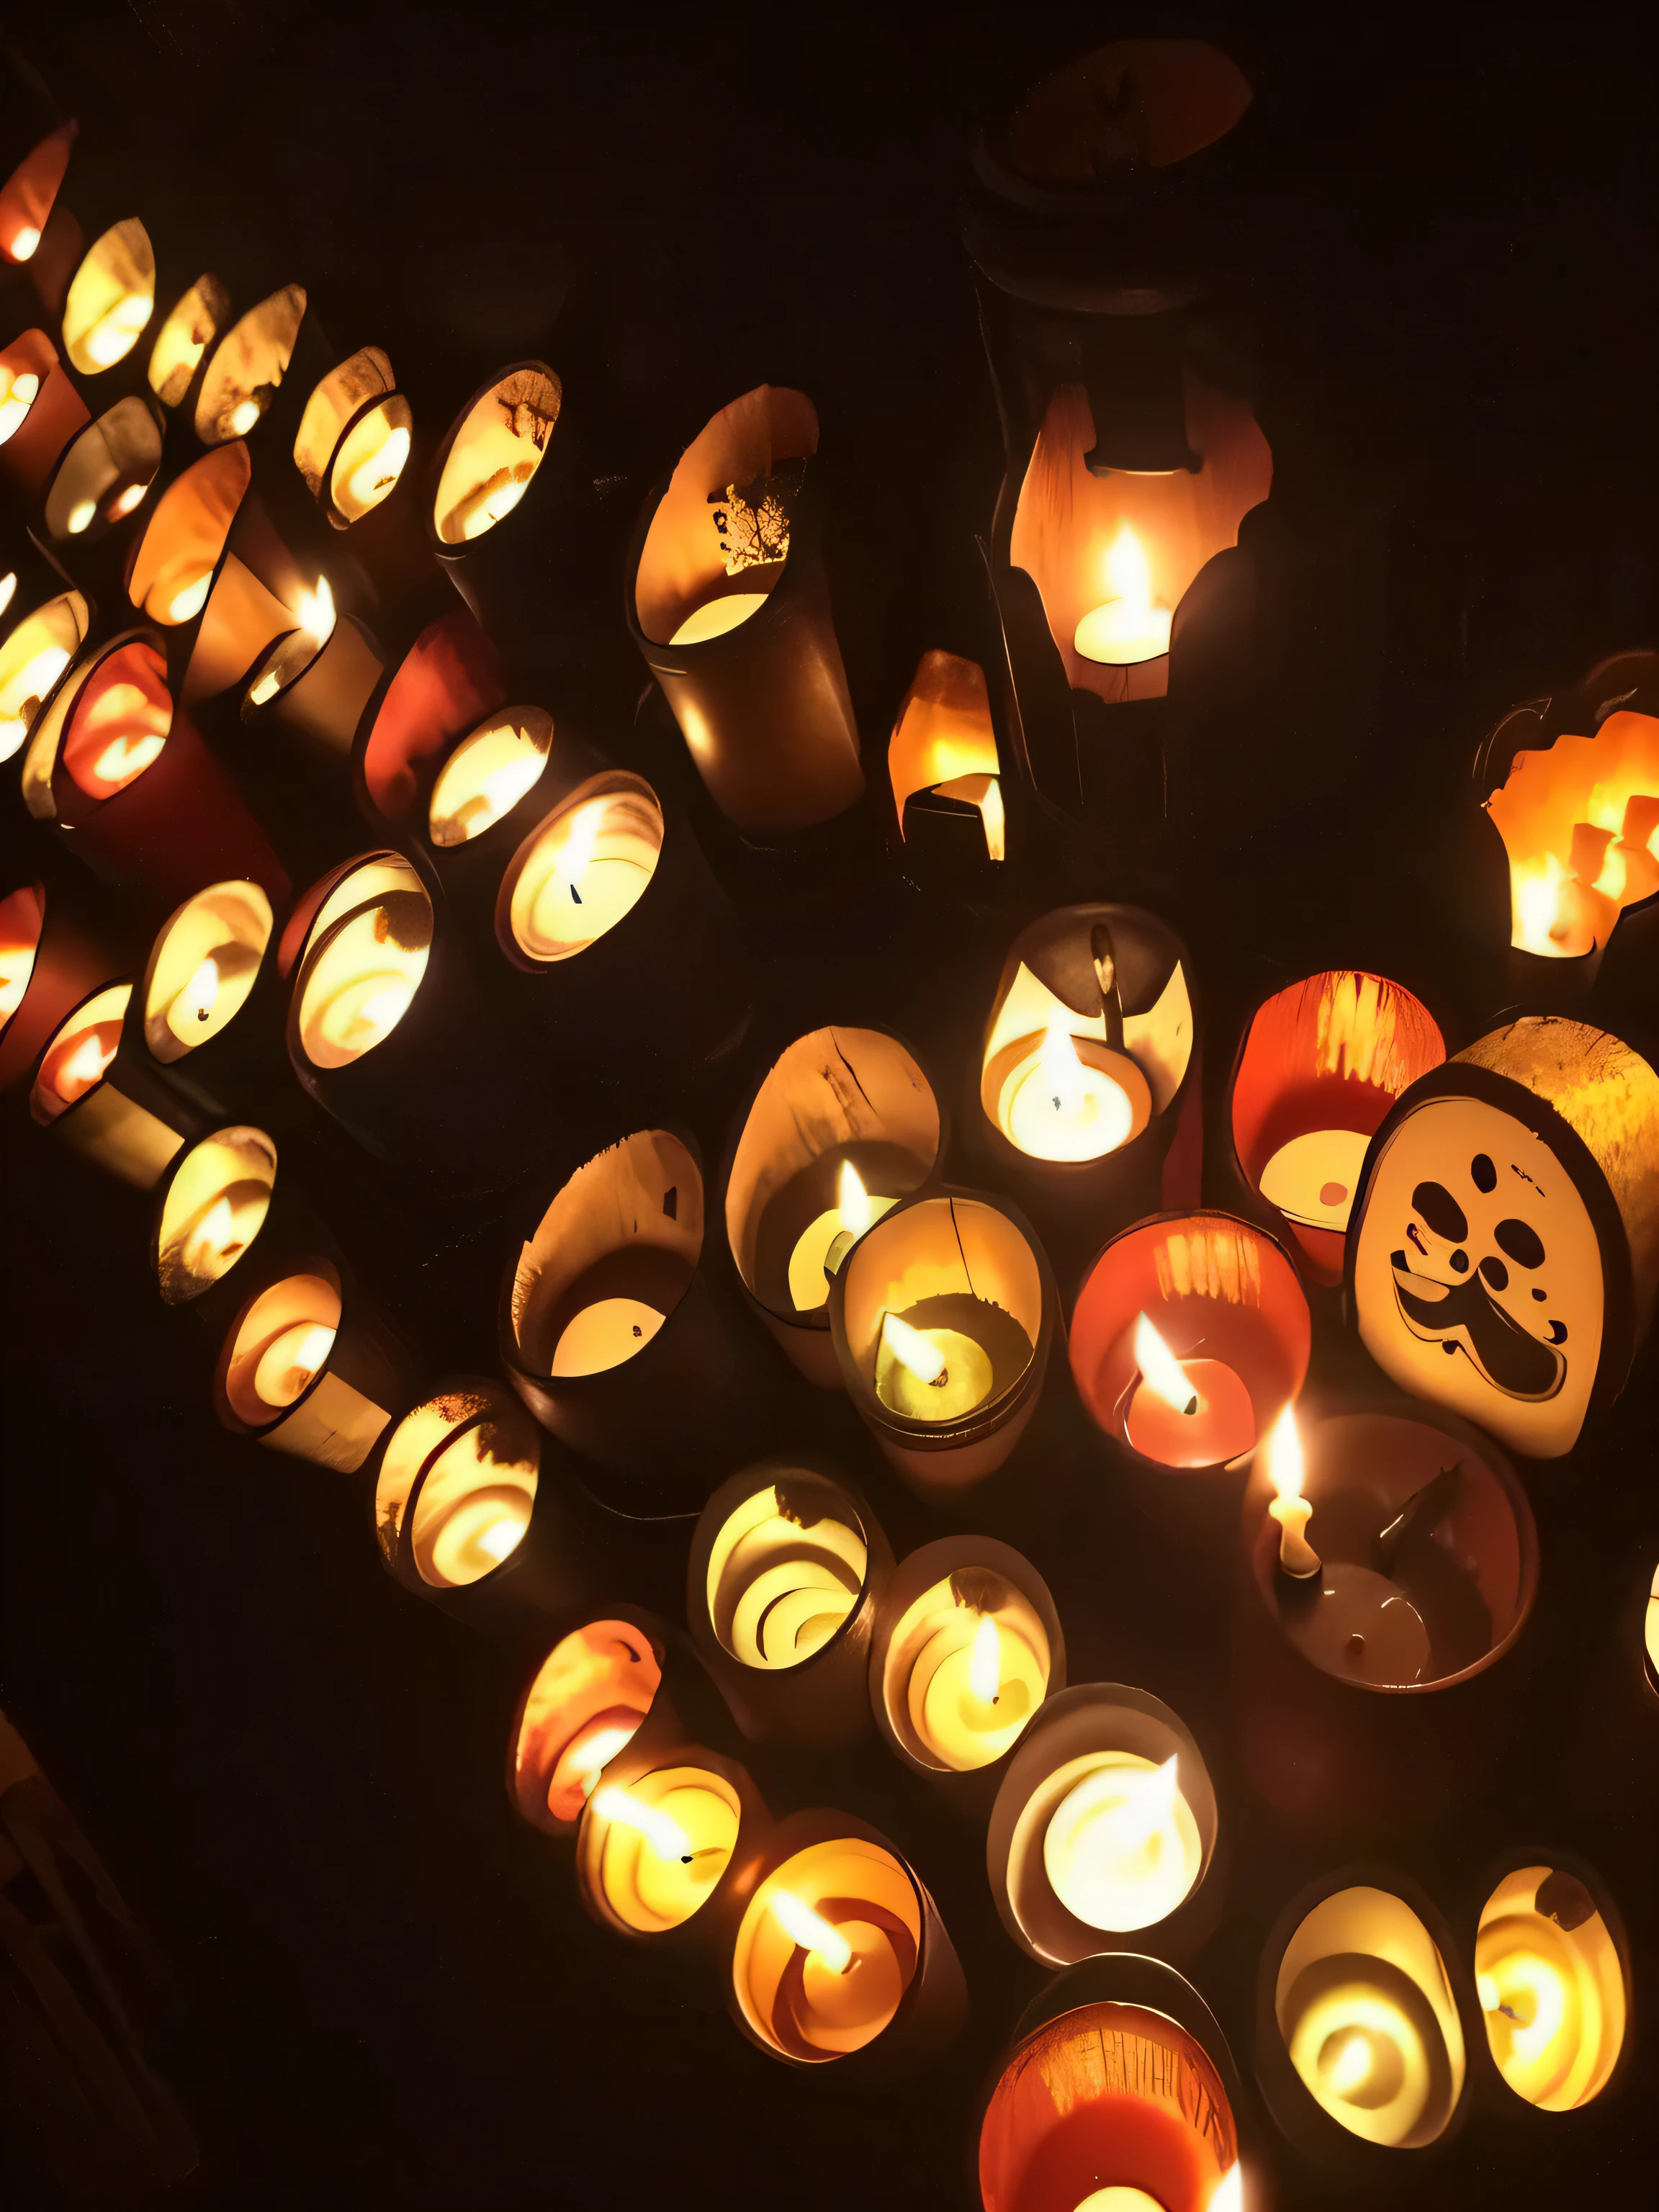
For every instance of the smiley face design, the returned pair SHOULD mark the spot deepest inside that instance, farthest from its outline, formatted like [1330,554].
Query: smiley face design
[1478,1277]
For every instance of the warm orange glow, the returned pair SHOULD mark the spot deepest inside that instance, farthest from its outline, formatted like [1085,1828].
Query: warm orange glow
[1287,1506]
[85,1067]
[18,394]
[661,1829]
[1578,823]
[314,619]
[811,1931]
[851,1201]
[24,242]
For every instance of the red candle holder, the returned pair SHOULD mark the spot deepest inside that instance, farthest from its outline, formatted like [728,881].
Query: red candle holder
[1504,1252]
[35,156]
[1119,2079]
[786,1572]
[1366,2021]
[307,1368]
[840,1957]
[834,1098]
[465,1515]
[947,1394]
[623,1340]
[1320,1066]
[1104,1834]
[967,1646]
[1225,1305]
[1086,1073]
[728,603]
[40,411]
[56,946]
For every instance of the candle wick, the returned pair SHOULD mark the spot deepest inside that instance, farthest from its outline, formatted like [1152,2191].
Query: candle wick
[576,895]
[940,1379]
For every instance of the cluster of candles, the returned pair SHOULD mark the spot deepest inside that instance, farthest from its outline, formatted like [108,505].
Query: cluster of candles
[1189,1345]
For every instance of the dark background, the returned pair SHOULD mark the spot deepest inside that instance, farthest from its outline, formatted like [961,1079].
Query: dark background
[386,1987]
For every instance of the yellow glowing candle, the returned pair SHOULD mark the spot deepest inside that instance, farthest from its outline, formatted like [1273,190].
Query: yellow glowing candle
[1293,1511]
[659,1829]
[486,776]
[1552,1987]
[1059,1107]
[716,616]
[372,478]
[973,1687]
[18,394]
[296,653]
[115,333]
[1128,628]
[661,1847]
[289,1361]
[1122,1850]
[601,1336]
[1362,2053]
[1121,2197]
[243,416]
[22,692]
[79,515]
[579,893]
[930,1374]
[823,1244]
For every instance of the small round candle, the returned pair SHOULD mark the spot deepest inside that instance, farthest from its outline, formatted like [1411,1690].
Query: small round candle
[1128,628]
[827,1946]
[585,869]
[976,1683]
[1552,1987]
[1122,1850]
[814,1256]
[930,1374]
[662,1843]
[1189,1413]
[1058,1105]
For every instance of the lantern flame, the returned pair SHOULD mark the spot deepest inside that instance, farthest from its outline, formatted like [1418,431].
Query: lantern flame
[851,1201]
[190,599]
[912,1349]
[315,612]
[985,1662]
[661,1829]
[127,501]
[243,416]
[504,1534]
[811,1931]
[17,395]
[1160,1370]
[214,1235]
[1351,2067]
[1060,1069]
[1127,576]
[79,515]
[198,995]
[504,786]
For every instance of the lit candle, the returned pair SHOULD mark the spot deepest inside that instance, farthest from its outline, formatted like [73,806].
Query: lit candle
[660,1854]
[1361,2049]
[828,1943]
[843,1982]
[486,776]
[1552,1988]
[21,919]
[1128,628]
[715,617]
[24,241]
[1122,1850]
[930,1374]
[472,1511]
[19,390]
[286,1366]
[1185,1412]
[362,978]
[825,1242]
[114,335]
[1288,1507]
[374,476]
[293,654]
[1057,1106]
[21,691]
[585,869]
[80,1056]
[976,1681]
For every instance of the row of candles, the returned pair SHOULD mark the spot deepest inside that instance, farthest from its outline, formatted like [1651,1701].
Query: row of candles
[1383,1567]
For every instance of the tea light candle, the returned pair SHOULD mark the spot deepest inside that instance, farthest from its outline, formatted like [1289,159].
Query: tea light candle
[1551,1983]
[1185,1412]
[487,774]
[1061,1104]
[1105,1823]
[585,869]
[456,1486]
[653,1852]
[359,975]
[213,1207]
[930,1374]
[79,1056]
[784,1572]
[825,1241]
[203,967]
[828,1947]
[583,1707]
[964,1658]
[1129,627]
[1365,2012]
[1122,1848]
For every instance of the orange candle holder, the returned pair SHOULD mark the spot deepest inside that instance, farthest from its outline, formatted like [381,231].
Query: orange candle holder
[1084,1102]
[962,1270]
[623,1338]
[726,601]
[1118,2078]
[952,799]
[1226,1304]
[854,1969]
[967,1645]
[1319,1067]
[467,1516]
[306,1366]
[1366,2025]
[786,1580]
[835,1097]
[40,411]
[1392,1676]
[36,145]
[104,1097]
[1104,1834]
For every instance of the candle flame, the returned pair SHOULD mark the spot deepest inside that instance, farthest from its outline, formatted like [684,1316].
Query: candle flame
[1351,2067]
[1062,1069]
[985,1662]
[1536,887]
[581,843]
[243,416]
[214,1234]
[313,1348]
[25,242]
[315,612]
[1284,1460]
[1127,576]
[127,501]
[198,995]
[1487,1990]
[85,1066]
[372,478]
[661,1829]
[598,1753]
[1227,2194]
[79,515]
[1533,1977]
[1149,1806]
[912,1349]
[851,1201]
[17,395]
[811,1931]
[1160,1370]
[504,786]
[504,1534]
[190,599]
